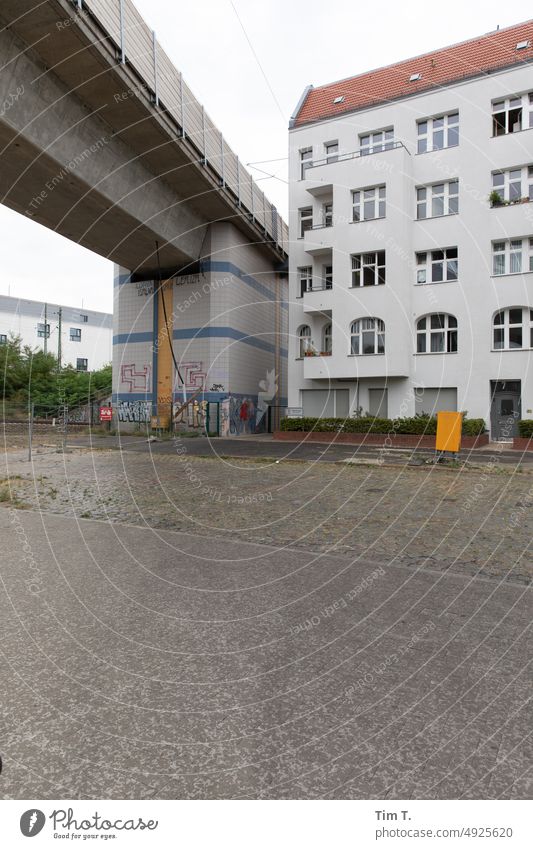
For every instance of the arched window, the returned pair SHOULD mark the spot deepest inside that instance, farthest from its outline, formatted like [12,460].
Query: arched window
[368,336]
[436,334]
[327,346]
[304,334]
[513,328]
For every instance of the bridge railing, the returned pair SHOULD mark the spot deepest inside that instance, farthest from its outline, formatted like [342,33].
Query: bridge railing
[137,45]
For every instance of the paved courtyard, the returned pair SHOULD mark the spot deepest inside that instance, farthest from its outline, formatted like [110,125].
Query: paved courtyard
[175,626]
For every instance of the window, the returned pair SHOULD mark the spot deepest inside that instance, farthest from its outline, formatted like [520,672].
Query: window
[306,161]
[331,150]
[438,133]
[513,328]
[437,266]
[437,200]
[306,220]
[75,334]
[376,142]
[514,184]
[84,318]
[327,277]
[512,114]
[327,346]
[305,277]
[327,215]
[43,331]
[305,344]
[368,269]
[368,204]
[3,339]
[367,336]
[81,364]
[512,256]
[436,334]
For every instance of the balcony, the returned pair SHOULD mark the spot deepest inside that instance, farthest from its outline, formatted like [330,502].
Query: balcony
[318,297]
[318,239]
[511,217]
[323,174]
[318,367]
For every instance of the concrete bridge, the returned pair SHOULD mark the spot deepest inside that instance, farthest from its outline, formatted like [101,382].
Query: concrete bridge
[102,141]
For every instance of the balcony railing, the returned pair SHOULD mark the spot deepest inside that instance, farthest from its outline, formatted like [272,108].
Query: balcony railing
[317,285]
[357,154]
[136,45]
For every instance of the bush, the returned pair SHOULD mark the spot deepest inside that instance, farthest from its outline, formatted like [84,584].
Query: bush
[525,428]
[419,425]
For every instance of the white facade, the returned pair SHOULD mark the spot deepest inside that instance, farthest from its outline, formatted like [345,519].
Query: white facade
[469,376]
[86,335]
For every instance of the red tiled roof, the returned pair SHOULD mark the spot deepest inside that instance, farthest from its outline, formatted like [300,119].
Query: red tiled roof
[441,67]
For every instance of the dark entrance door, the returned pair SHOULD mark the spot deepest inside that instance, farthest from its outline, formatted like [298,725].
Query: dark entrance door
[505,411]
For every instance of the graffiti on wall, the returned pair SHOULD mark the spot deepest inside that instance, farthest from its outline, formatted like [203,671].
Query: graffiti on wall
[193,416]
[268,389]
[134,411]
[135,379]
[241,416]
[193,375]
[144,290]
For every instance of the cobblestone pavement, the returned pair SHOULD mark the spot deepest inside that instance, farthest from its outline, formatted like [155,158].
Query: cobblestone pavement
[152,664]
[463,519]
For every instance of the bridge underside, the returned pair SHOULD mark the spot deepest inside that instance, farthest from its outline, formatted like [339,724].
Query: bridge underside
[87,154]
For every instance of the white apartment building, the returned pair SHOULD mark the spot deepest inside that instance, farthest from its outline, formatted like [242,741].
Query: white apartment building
[411,227]
[86,335]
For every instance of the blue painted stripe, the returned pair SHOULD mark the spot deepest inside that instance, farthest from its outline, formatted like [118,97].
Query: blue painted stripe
[132,396]
[202,333]
[208,396]
[126,338]
[214,266]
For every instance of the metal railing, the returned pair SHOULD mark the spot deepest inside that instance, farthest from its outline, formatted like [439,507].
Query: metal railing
[358,154]
[137,46]
[318,285]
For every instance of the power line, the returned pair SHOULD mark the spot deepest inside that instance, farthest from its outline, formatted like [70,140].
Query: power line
[256,57]
[269,176]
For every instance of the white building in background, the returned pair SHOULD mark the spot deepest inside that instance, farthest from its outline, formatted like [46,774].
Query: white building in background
[411,266]
[86,335]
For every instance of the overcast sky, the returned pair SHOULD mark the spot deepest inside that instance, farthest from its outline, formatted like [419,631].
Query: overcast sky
[248,61]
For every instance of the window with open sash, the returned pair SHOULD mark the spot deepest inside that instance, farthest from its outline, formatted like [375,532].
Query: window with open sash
[368,269]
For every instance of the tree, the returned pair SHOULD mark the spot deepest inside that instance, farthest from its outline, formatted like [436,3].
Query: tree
[31,376]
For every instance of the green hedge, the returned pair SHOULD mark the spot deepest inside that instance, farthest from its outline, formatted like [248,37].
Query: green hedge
[422,425]
[525,428]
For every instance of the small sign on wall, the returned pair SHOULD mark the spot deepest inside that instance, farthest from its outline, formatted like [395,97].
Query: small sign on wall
[106,414]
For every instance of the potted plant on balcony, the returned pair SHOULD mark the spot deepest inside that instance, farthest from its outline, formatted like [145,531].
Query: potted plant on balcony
[496,199]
